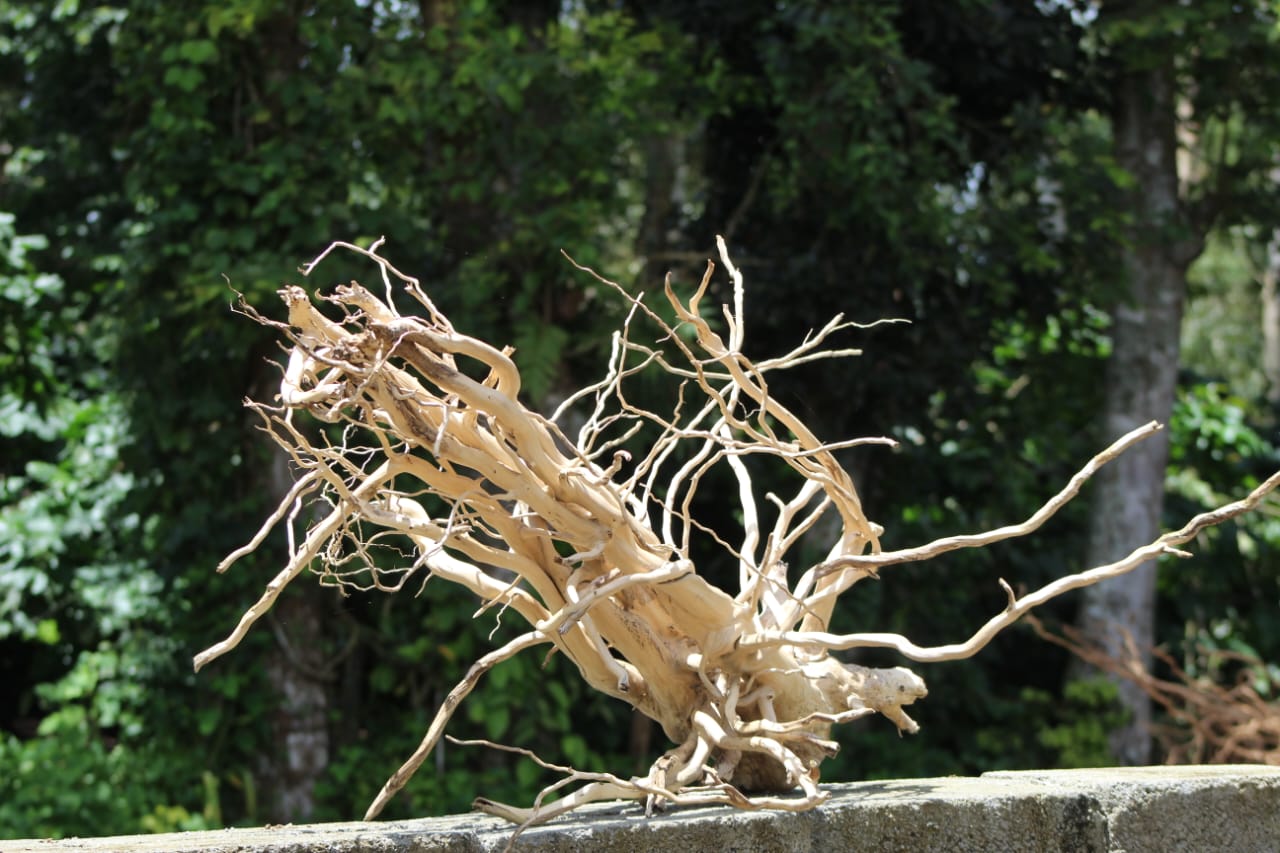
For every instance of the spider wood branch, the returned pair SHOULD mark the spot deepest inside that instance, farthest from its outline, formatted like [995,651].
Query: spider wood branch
[421,416]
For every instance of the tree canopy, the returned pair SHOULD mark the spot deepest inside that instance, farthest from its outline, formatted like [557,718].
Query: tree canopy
[953,165]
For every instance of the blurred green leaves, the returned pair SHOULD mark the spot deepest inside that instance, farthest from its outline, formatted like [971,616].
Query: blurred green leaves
[947,163]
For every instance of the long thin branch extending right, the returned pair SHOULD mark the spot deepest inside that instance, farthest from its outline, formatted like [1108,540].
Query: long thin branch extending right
[1018,607]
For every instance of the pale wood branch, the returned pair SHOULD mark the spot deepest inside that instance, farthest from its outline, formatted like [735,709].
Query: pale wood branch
[591,540]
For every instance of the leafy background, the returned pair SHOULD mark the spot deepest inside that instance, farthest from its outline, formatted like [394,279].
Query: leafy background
[946,163]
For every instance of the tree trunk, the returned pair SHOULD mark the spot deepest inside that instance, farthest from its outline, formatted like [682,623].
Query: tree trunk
[296,667]
[1140,382]
[662,156]
[1271,318]
[300,725]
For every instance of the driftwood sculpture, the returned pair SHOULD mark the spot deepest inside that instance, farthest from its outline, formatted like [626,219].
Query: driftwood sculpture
[587,537]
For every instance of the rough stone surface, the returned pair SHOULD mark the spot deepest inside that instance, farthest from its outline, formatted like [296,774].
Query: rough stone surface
[1218,808]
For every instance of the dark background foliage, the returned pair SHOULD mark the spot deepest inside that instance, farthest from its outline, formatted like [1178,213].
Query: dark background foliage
[948,164]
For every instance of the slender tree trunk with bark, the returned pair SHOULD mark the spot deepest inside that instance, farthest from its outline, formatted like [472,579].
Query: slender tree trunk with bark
[296,668]
[1271,317]
[300,724]
[1140,382]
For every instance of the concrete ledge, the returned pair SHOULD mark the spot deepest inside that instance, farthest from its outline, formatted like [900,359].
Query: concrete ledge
[1214,808]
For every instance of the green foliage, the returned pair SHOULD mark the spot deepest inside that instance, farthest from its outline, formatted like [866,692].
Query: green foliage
[82,622]
[239,138]
[77,778]
[1222,335]
[1074,730]
[1219,449]
[946,163]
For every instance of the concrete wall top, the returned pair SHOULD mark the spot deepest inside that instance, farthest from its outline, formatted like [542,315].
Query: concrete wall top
[1209,808]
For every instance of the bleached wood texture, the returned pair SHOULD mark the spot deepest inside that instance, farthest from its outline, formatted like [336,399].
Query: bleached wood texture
[588,538]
